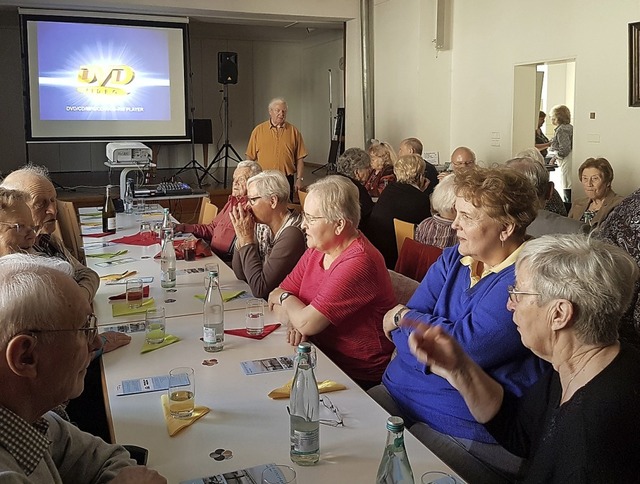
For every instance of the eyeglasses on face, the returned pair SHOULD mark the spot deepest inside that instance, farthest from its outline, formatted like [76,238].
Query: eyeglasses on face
[22,228]
[463,163]
[90,329]
[335,421]
[311,219]
[514,294]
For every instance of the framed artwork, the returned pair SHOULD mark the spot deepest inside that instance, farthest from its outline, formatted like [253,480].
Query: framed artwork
[634,64]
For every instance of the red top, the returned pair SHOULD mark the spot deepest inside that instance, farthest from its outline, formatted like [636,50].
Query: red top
[354,294]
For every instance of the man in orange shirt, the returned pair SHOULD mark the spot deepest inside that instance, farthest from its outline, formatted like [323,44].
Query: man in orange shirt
[278,145]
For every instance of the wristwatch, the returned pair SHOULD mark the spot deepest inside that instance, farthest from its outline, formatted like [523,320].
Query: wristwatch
[398,316]
[284,296]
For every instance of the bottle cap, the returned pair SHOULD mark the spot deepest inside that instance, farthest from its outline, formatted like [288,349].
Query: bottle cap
[304,347]
[395,424]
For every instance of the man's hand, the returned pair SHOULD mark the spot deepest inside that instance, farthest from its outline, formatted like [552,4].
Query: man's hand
[112,340]
[138,475]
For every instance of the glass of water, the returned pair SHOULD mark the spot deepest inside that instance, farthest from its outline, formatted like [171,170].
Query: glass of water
[254,319]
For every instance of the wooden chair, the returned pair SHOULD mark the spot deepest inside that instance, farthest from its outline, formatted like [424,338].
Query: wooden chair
[404,230]
[208,212]
[415,259]
[70,229]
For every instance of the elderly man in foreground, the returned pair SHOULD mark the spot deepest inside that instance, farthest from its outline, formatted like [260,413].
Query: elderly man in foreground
[47,335]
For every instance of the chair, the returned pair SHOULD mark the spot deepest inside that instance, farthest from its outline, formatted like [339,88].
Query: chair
[416,258]
[404,230]
[403,286]
[70,229]
[208,212]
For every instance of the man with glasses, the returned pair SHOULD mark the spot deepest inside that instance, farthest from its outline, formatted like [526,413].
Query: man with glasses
[220,232]
[462,159]
[47,336]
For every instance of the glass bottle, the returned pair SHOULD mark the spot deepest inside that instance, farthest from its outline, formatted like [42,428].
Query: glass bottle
[128,196]
[108,214]
[166,219]
[304,411]
[213,316]
[167,260]
[394,466]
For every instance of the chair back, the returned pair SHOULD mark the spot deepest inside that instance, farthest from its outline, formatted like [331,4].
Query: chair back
[70,229]
[403,286]
[208,212]
[404,230]
[416,258]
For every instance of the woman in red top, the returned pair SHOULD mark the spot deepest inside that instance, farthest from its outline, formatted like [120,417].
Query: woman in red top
[382,160]
[339,291]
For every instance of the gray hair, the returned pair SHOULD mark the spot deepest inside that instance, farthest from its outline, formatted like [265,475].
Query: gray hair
[532,153]
[444,195]
[30,294]
[14,180]
[254,167]
[534,172]
[9,198]
[339,199]
[409,168]
[351,160]
[271,183]
[595,276]
[277,100]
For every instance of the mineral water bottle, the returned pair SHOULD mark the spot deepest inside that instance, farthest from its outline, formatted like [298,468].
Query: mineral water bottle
[304,412]
[128,196]
[166,219]
[167,260]
[213,316]
[394,467]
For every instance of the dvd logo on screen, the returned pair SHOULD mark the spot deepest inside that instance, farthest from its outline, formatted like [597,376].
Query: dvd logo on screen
[108,80]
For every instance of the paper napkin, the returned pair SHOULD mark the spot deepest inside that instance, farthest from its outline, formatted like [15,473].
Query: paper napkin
[325,386]
[168,339]
[226,295]
[123,309]
[108,255]
[175,425]
[268,329]
[145,293]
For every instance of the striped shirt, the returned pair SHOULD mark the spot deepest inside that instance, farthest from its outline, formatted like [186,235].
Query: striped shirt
[436,231]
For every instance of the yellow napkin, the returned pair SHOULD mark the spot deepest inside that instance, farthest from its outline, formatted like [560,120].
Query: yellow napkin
[175,425]
[108,255]
[168,339]
[123,309]
[325,386]
[226,295]
[117,277]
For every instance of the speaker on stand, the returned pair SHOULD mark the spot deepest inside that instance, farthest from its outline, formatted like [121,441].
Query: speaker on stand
[227,74]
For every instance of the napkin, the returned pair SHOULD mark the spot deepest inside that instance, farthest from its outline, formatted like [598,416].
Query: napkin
[226,295]
[101,234]
[108,255]
[123,309]
[175,425]
[138,239]
[168,339]
[325,386]
[145,293]
[268,329]
[117,277]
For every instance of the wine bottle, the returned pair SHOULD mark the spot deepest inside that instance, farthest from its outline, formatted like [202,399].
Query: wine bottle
[108,214]
[304,411]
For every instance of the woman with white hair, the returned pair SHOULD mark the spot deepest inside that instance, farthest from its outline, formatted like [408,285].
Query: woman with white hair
[580,421]
[436,230]
[338,293]
[404,199]
[269,240]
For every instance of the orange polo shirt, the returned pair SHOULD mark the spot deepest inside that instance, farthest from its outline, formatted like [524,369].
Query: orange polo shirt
[276,148]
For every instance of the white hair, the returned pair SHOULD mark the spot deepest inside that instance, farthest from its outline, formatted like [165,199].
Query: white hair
[277,100]
[271,183]
[254,167]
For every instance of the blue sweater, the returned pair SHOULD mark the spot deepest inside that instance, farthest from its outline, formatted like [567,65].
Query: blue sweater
[478,319]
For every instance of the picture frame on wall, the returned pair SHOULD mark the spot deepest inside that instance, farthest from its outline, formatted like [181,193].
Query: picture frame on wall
[634,64]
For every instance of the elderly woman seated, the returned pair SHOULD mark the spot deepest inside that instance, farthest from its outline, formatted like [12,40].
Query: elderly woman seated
[338,293]
[269,240]
[596,176]
[382,160]
[355,164]
[580,421]
[404,199]
[465,293]
[436,230]
[17,232]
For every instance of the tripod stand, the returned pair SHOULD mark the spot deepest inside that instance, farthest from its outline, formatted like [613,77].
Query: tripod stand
[223,152]
[194,164]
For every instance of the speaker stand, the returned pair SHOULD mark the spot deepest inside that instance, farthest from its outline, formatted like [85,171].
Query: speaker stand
[223,152]
[193,164]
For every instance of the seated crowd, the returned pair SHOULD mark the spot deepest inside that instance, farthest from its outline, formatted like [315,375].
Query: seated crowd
[515,359]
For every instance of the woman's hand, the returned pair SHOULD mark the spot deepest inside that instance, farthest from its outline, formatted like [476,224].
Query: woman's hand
[388,322]
[433,346]
[244,224]
[294,337]
[274,298]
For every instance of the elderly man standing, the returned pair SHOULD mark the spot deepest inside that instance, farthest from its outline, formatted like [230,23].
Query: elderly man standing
[220,232]
[41,199]
[278,145]
[47,335]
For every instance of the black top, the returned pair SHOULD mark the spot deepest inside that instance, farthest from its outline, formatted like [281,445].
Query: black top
[431,174]
[401,201]
[594,437]
[366,204]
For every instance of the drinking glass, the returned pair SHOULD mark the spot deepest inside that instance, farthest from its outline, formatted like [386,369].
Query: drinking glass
[138,207]
[278,474]
[182,392]
[134,293]
[254,319]
[189,249]
[155,326]
[437,477]
[145,230]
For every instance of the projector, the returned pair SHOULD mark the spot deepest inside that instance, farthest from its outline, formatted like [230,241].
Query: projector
[128,153]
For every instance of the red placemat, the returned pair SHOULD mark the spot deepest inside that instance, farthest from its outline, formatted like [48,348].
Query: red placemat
[138,239]
[145,293]
[268,329]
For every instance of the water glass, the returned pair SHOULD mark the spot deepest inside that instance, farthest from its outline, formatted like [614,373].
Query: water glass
[134,293]
[278,474]
[138,206]
[182,392]
[155,326]
[145,230]
[189,249]
[254,319]
[437,477]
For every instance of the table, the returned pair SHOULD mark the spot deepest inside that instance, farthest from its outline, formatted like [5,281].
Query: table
[242,418]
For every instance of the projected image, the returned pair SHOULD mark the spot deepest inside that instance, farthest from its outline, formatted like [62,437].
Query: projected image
[103,73]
